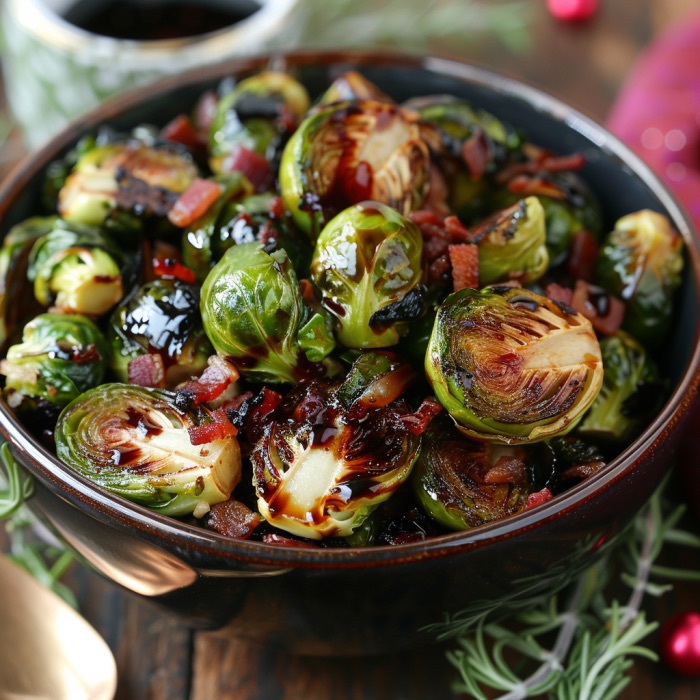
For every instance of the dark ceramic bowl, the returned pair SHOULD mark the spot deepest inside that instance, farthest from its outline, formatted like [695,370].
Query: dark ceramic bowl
[367,600]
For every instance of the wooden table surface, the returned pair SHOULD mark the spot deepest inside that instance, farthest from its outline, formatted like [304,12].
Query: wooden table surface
[159,659]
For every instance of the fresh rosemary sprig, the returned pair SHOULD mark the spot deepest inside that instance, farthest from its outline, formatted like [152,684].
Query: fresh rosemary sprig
[584,649]
[17,487]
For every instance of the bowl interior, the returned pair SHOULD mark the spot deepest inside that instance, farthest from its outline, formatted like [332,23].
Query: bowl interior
[618,178]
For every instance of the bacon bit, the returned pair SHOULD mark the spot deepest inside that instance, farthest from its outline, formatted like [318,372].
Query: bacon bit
[582,471]
[261,407]
[604,311]
[194,202]
[275,208]
[542,162]
[558,293]
[307,292]
[583,255]
[254,166]
[280,540]
[476,154]
[507,470]
[147,370]
[436,199]
[538,498]
[525,186]
[233,519]
[465,265]
[181,130]
[218,374]
[205,112]
[221,428]
[458,232]
[427,216]
[170,268]
[416,423]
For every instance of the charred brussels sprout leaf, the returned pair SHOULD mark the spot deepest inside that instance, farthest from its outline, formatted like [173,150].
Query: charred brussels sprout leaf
[129,176]
[162,318]
[366,261]
[256,115]
[134,442]
[512,244]
[641,262]
[462,484]
[60,356]
[78,269]
[321,468]
[253,311]
[353,86]
[510,365]
[630,395]
[348,152]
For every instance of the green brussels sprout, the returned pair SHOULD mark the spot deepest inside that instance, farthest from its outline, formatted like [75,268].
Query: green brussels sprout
[129,176]
[253,312]
[78,269]
[347,152]
[512,244]
[367,266]
[255,218]
[200,250]
[60,356]
[512,366]
[136,442]
[16,298]
[161,318]
[630,394]
[326,460]
[352,85]
[469,146]
[256,115]
[641,262]
[462,484]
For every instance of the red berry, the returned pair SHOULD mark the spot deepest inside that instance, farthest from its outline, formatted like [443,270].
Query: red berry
[680,643]
[572,10]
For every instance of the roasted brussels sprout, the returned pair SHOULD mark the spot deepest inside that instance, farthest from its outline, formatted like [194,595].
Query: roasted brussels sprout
[253,313]
[352,85]
[331,454]
[127,175]
[367,266]
[161,318]
[641,262]
[257,115]
[16,296]
[512,244]
[347,152]
[135,442]
[631,391]
[78,269]
[512,366]
[60,356]
[462,484]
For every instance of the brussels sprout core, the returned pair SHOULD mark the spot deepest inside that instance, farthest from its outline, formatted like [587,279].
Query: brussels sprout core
[133,441]
[510,365]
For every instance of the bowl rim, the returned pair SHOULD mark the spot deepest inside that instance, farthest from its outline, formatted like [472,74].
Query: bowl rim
[145,523]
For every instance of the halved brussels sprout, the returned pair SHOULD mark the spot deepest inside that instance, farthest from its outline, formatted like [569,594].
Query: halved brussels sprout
[352,85]
[462,484]
[135,442]
[60,356]
[78,269]
[630,395]
[512,244]
[256,115]
[253,311]
[512,366]
[347,152]
[367,266]
[641,262]
[16,297]
[127,175]
[325,461]
[161,318]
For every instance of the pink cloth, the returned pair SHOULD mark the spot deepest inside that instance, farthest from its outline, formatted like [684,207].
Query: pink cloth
[658,111]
